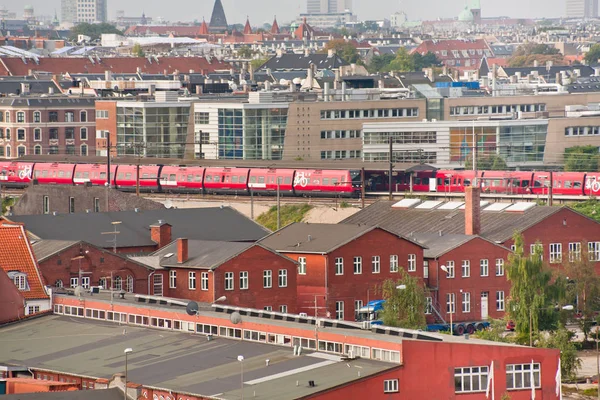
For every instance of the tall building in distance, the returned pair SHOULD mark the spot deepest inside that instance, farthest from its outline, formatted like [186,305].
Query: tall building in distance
[328,6]
[328,13]
[218,20]
[582,8]
[90,11]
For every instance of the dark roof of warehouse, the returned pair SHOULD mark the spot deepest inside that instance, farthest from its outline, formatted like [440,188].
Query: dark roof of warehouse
[215,223]
[495,226]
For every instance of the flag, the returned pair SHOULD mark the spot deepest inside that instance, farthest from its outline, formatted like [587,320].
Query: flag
[490,382]
[558,380]
[532,381]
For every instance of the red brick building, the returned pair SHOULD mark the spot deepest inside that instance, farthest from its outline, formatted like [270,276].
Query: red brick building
[75,263]
[247,274]
[457,52]
[341,266]
[13,302]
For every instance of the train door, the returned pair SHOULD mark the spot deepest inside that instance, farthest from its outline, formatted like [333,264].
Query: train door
[433,185]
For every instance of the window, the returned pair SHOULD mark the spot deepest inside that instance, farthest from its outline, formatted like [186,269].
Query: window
[339,266]
[466,302]
[375,264]
[83,116]
[69,116]
[118,282]
[357,265]
[33,309]
[58,283]
[466,268]
[37,150]
[244,280]
[101,114]
[53,133]
[172,279]
[268,308]
[267,278]
[96,204]
[302,265]
[339,310]
[20,117]
[20,281]
[37,134]
[450,303]
[46,204]
[450,268]
[74,282]
[204,280]
[283,278]
[412,262]
[500,301]
[192,280]
[21,135]
[83,134]
[574,251]
[69,133]
[470,379]
[21,150]
[7,116]
[283,309]
[518,376]
[85,282]
[594,251]
[390,386]
[555,253]
[84,150]
[499,267]
[37,117]
[394,263]
[428,305]
[228,280]
[357,306]
[71,205]
[201,118]
[484,267]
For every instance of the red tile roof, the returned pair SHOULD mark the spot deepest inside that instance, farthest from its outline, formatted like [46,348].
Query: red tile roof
[437,46]
[141,30]
[16,255]
[120,65]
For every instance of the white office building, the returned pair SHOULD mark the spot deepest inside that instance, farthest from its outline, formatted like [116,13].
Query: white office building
[78,11]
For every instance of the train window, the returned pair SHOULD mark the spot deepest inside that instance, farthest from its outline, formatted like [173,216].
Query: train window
[252,179]
[128,175]
[102,175]
[190,178]
[120,175]
[242,179]
[334,181]
[455,181]
[234,179]
[557,184]
[425,181]
[439,182]
[417,180]
[172,177]
[153,176]
[208,178]
[326,182]
[69,174]
[226,178]
[287,180]
[54,174]
[86,175]
[525,183]
[261,179]
[198,178]
[217,178]
[77,175]
[36,174]
[61,174]
[144,176]
[577,185]
[45,173]
[446,181]
[568,184]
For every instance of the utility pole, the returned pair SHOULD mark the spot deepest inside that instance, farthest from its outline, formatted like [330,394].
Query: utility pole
[278,205]
[475,183]
[362,187]
[107,169]
[391,170]
[115,232]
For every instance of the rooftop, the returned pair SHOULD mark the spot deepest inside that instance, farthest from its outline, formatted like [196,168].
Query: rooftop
[106,394]
[45,249]
[201,253]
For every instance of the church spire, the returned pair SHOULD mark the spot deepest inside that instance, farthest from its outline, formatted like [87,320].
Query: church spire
[218,20]
[247,28]
[275,27]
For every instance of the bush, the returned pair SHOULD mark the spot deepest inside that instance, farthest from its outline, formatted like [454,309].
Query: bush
[288,214]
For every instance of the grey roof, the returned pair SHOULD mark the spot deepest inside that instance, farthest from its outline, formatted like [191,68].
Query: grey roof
[438,245]
[495,226]
[302,61]
[202,253]
[44,249]
[584,70]
[150,261]
[57,101]
[216,223]
[98,394]
[35,86]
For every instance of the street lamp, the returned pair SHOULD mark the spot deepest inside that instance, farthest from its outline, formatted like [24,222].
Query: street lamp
[127,351]
[220,299]
[401,287]
[568,307]
[446,270]
[241,360]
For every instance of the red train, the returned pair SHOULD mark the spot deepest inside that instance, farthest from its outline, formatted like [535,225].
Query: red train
[293,182]
[180,179]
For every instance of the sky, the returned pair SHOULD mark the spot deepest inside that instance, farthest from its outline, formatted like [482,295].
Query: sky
[262,11]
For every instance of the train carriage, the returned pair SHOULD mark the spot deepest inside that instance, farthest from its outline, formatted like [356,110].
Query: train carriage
[592,184]
[264,181]
[15,174]
[94,174]
[126,178]
[568,183]
[54,173]
[226,180]
[310,182]
[181,179]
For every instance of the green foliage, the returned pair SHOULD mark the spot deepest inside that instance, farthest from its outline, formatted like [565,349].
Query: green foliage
[582,158]
[288,214]
[495,332]
[381,63]
[403,62]
[562,339]
[531,292]
[345,204]
[6,203]
[426,61]
[530,59]
[403,308]
[245,52]
[491,162]
[137,50]
[94,31]
[589,208]
[535,49]
[345,50]
[593,55]
[257,63]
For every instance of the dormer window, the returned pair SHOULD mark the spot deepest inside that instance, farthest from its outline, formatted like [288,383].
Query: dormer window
[19,279]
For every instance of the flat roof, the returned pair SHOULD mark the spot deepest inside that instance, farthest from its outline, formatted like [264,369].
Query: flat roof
[175,360]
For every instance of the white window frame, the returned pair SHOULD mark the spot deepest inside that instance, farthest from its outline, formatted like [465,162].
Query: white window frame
[172,279]
[450,267]
[74,282]
[555,253]
[375,264]
[594,251]
[358,304]
[243,280]
[267,279]
[466,302]
[574,251]
[394,263]
[390,386]
[20,281]
[191,280]
[283,309]
[412,263]
[499,267]
[500,301]
[484,267]
[464,377]
[428,305]
[357,265]
[301,265]
[39,119]
[525,371]
[339,266]
[204,281]
[85,282]
[282,278]
[465,268]
[229,283]
[339,310]
[450,303]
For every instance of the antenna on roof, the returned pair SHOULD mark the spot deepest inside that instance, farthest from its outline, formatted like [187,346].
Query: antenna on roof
[192,308]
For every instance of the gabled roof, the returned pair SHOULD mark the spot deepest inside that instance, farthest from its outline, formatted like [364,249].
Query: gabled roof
[215,223]
[16,255]
[303,62]
[438,245]
[302,237]
[275,27]
[202,254]
[495,226]
[44,249]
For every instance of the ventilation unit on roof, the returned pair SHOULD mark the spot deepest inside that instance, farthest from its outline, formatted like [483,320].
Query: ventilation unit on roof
[168,255]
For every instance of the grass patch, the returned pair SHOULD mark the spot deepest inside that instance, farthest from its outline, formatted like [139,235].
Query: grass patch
[288,214]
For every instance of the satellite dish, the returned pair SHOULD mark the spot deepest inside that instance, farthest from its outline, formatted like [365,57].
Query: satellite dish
[168,203]
[192,308]
[235,318]
[79,291]
[297,81]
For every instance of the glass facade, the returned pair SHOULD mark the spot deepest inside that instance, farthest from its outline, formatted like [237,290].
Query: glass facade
[523,143]
[252,134]
[152,131]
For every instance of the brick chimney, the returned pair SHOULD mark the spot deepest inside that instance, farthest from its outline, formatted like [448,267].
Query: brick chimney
[182,250]
[160,233]
[472,211]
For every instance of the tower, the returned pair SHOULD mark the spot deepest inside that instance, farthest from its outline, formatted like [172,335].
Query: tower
[476,11]
[218,21]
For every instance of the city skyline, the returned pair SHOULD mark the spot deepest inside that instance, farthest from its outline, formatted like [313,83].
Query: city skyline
[237,10]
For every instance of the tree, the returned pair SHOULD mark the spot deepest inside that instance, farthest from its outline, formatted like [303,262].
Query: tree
[94,31]
[495,332]
[531,291]
[245,52]
[346,50]
[137,50]
[589,208]
[426,61]
[562,339]
[490,162]
[403,61]
[381,63]
[582,158]
[535,49]
[257,63]
[404,308]
[527,54]
[593,55]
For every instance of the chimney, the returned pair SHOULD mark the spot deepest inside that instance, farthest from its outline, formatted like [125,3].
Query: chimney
[472,211]
[160,233]
[182,250]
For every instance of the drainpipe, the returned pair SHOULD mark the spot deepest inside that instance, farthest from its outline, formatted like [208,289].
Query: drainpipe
[151,273]
[326,284]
